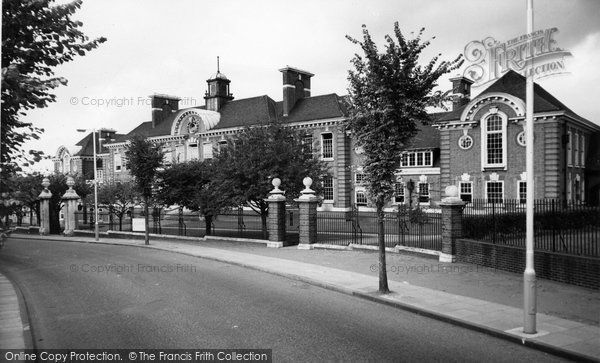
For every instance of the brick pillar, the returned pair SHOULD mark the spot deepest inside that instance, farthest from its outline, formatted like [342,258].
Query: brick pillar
[308,216]
[276,218]
[452,216]
[70,199]
[45,196]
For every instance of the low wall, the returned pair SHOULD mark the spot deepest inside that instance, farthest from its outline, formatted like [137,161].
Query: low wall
[570,269]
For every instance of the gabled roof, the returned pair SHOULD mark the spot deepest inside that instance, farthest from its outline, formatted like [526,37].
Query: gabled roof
[514,84]
[86,145]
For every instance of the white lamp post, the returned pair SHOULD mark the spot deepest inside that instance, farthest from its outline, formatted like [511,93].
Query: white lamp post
[96,231]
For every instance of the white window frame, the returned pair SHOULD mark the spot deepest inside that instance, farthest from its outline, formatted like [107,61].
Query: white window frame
[207,150]
[461,193]
[484,139]
[411,159]
[419,195]
[325,199]
[356,198]
[359,178]
[323,157]
[193,154]
[487,183]
[396,196]
[307,144]
[521,199]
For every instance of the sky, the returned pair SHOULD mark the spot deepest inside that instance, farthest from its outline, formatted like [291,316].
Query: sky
[171,47]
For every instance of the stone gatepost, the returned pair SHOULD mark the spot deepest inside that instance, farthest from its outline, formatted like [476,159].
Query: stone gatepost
[307,202]
[70,199]
[45,196]
[452,217]
[276,219]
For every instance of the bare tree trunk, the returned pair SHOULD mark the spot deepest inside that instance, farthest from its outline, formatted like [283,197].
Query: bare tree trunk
[383,281]
[146,222]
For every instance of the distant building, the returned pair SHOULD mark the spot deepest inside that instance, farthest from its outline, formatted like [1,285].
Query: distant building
[479,145]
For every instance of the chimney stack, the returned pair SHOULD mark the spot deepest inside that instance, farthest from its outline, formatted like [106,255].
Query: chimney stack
[162,107]
[296,85]
[461,88]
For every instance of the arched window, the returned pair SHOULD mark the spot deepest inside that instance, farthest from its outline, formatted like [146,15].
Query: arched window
[66,167]
[493,136]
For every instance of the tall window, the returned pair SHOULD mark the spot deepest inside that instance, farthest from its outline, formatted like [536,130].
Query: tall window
[569,149]
[399,193]
[66,167]
[522,192]
[466,191]
[307,144]
[192,151]
[328,188]
[361,198]
[423,192]
[327,145]
[167,156]
[581,149]
[494,191]
[493,134]
[207,150]
[576,149]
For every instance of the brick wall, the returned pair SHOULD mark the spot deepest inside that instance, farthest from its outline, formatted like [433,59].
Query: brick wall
[575,270]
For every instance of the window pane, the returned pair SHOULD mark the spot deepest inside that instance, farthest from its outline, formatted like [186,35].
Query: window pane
[361,199]
[327,145]
[428,159]
[494,123]
[399,193]
[420,159]
[466,192]
[494,192]
[423,193]
[328,188]
[522,192]
[494,148]
[207,150]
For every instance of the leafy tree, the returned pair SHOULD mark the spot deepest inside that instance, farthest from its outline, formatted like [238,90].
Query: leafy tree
[248,164]
[36,37]
[193,185]
[145,158]
[120,197]
[27,189]
[389,94]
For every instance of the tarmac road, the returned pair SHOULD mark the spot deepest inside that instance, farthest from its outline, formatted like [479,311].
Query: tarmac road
[101,296]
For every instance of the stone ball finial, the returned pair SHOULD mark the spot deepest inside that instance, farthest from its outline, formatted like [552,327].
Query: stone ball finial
[276,182]
[70,182]
[45,183]
[451,191]
[307,182]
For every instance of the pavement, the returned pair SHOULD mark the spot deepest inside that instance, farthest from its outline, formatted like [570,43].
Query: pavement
[475,297]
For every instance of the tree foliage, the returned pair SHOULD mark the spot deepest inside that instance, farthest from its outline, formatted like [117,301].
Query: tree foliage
[36,37]
[389,94]
[120,197]
[145,157]
[258,154]
[193,185]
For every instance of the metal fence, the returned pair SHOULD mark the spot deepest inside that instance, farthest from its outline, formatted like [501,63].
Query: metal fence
[558,227]
[238,222]
[405,227]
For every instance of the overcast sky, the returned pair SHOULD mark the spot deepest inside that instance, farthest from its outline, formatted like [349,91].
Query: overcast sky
[160,46]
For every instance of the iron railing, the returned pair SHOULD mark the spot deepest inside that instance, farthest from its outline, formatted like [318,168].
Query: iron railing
[572,228]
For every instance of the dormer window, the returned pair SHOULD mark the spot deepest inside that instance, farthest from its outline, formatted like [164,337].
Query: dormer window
[417,158]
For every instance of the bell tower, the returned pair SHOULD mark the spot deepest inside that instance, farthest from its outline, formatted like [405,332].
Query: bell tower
[218,90]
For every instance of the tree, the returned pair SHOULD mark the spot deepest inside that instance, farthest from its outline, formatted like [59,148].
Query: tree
[36,37]
[145,158]
[193,185]
[28,188]
[120,197]
[389,94]
[249,163]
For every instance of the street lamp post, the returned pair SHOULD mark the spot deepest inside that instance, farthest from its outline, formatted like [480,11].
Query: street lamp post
[96,229]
